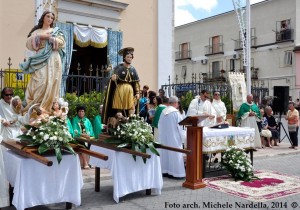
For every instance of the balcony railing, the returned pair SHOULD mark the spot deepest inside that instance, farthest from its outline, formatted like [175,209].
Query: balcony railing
[79,83]
[284,35]
[211,77]
[254,72]
[214,49]
[184,54]
[239,43]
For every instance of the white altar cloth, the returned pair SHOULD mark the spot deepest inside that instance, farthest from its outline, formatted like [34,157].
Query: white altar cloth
[128,175]
[217,140]
[37,184]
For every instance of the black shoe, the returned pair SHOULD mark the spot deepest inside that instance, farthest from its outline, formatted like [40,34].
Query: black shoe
[177,178]
[165,175]
[206,157]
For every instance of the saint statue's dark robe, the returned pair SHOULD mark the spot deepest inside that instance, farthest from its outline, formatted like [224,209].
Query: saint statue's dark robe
[120,94]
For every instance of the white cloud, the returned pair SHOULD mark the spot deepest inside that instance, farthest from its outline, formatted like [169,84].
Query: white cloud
[255,1]
[183,16]
[197,4]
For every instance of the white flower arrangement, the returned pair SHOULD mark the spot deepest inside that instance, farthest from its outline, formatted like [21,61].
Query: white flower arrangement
[136,134]
[47,135]
[236,161]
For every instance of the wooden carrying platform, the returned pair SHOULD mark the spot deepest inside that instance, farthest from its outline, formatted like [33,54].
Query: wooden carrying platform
[32,152]
[194,163]
[99,142]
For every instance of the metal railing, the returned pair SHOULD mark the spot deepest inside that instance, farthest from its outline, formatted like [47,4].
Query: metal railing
[74,83]
[284,35]
[196,86]
[239,43]
[214,49]
[16,79]
[184,54]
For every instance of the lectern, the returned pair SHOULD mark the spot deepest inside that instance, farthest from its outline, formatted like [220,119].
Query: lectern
[194,164]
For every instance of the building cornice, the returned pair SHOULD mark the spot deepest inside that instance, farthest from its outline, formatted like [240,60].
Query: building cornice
[111,5]
[83,14]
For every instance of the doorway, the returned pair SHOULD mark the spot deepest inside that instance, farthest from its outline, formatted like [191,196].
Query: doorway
[86,69]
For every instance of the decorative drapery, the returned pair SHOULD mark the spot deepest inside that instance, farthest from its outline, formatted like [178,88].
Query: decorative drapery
[90,36]
[115,41]
[68,31]
[238,86]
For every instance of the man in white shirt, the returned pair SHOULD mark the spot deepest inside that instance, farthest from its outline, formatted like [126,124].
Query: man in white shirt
[201,106]
[220,107]
[171,134]
[9,129]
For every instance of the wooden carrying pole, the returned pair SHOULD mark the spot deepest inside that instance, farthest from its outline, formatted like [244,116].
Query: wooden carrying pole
[114,147]
[91,153]
[102,137]
[161,146]
[26,152]
[194,163]
[32,152]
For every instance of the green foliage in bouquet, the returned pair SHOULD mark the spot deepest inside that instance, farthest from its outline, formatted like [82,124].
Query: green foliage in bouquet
[238,164]
[136,134]
[49,134]
[91,101]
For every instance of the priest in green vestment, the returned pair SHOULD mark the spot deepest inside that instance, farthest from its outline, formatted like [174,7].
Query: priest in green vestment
[249,113]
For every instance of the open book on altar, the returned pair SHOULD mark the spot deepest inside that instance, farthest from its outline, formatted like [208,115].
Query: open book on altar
[193,120]
[220,125]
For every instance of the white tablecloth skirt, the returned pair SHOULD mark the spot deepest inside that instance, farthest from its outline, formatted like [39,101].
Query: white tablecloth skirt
[37,184]
[216,140]
[129,175]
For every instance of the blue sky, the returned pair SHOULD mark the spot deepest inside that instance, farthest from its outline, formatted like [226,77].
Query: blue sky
[187,11]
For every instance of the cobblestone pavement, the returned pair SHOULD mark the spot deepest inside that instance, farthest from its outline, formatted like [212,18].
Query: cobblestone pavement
[174,196]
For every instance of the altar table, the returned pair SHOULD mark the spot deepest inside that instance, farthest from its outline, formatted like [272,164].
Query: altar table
[128,175]
[217,140]
[37,184]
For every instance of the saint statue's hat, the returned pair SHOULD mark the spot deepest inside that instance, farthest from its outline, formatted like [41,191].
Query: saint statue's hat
[126,50]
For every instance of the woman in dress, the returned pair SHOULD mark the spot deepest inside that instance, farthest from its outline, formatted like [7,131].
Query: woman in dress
[45,66]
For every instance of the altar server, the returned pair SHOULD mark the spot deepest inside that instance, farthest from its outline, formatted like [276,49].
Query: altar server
[220,107]
[171,134]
